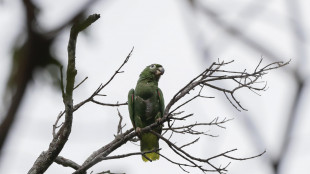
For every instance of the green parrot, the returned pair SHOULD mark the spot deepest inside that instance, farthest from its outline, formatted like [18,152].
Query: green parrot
[146,106]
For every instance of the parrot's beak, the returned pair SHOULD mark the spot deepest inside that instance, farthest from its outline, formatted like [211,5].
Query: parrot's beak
[160,71]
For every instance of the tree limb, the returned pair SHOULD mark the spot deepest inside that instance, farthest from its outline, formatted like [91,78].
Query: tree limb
[46,158]
[66,162]
[211,74]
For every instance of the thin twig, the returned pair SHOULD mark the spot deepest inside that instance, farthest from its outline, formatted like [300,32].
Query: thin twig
[108,104]
[120,127]
[81,82]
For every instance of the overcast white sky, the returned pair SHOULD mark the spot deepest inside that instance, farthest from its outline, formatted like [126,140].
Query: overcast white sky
[169,33]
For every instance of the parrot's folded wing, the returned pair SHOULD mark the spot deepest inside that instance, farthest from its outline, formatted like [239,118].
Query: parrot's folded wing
[161,101]
[131,107]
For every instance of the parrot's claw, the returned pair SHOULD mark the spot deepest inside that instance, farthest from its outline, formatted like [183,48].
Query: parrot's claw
[138,130]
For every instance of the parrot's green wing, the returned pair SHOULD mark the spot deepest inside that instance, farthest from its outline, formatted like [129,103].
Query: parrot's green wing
[146,106]
[131,107]
[161,101]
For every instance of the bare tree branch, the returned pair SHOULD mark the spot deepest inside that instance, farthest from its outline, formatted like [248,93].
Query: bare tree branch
[120,127]
[190,143]
[98,90]
[189,128]
[109,172]
[108,104]
[211,74]
[46,158]
[185,155]
[130,154]
[80,82]
[66,162]
[181,165]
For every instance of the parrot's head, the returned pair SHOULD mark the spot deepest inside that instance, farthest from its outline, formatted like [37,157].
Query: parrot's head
[152,72]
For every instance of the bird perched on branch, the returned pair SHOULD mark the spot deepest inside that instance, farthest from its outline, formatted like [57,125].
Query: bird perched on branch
[146,106]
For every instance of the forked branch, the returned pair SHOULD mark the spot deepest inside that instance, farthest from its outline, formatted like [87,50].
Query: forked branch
[212,74]
[60,138]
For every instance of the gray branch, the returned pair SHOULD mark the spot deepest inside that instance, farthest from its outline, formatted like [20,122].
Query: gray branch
[211,74]
[60,138]
[66,162]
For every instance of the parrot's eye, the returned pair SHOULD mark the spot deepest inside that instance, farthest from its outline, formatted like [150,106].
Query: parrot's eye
[152,66]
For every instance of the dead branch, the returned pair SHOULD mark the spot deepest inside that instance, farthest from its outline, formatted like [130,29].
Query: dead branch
[109,172]
[242,79]
[120,126]
[97,92]
[130,154]
[215,73]
[193,160]
[108,104]
[190,128]
[181,165]
[60,138]
[81,82]
[190,143]
[66,162]
[101,86]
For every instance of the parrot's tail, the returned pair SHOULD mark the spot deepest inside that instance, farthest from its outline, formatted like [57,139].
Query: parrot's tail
[149,142]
